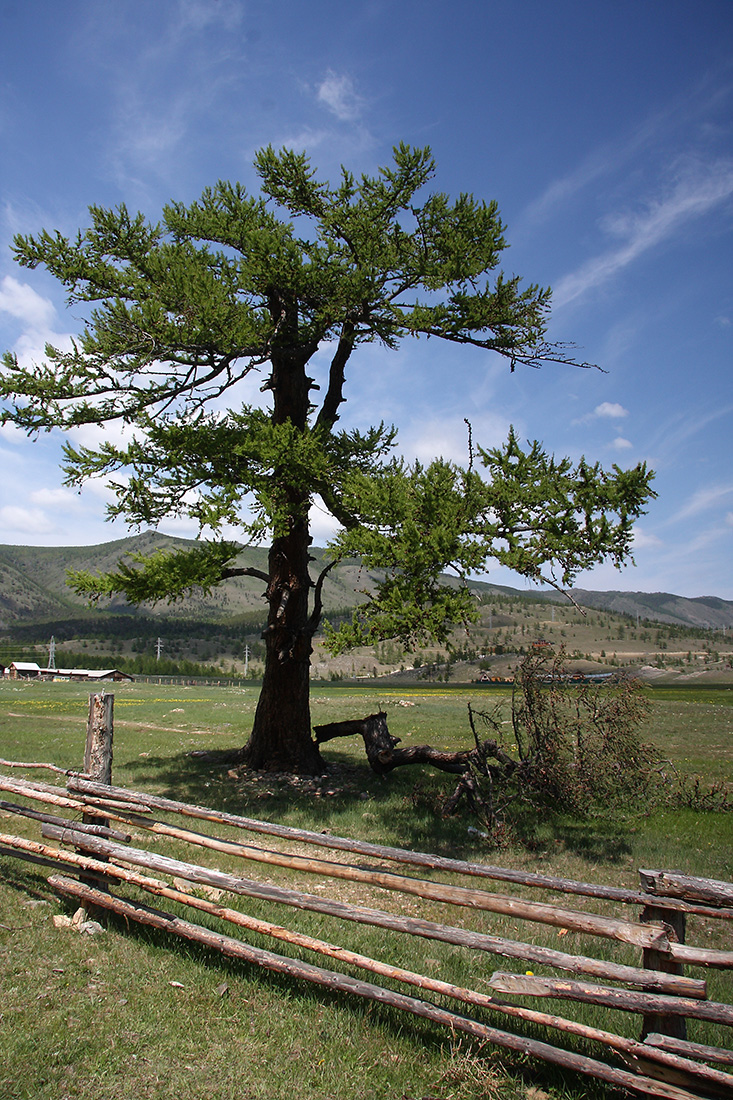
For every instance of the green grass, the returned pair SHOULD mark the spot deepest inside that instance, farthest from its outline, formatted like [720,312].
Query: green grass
[98,1017]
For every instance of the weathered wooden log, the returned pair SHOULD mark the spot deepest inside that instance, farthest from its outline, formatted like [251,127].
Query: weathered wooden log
[452,762]
[603,969]
[702,956]
[626,999]
[45,792]
[55,796]
[64,823]
[656,1063]
[674,884]
[111,805]
[381,746]
[378,851]
[43,861]
[48,793]
[686,1073]
[342,983]
[48,767]
[352,727]
[639,935]
[691,1050]
[668,1066]
[662,1062]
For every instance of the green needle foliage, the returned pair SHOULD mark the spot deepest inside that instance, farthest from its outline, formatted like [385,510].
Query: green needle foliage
[237,289]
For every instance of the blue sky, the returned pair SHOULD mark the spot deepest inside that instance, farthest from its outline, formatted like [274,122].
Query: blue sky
[603,128]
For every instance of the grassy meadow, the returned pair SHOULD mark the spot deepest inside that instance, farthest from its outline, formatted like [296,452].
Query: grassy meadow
[131,1013]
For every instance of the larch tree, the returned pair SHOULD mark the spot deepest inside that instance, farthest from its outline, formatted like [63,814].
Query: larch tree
[239,289]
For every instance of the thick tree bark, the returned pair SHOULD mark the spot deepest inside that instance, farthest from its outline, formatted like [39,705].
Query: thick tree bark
[281,737]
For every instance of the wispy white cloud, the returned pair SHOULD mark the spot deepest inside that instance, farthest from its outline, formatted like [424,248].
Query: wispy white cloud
[429,438]
[30,347]
[602,161]
[700,546]
[695,106]
[194,16]
[676,430]
[563,189]
[703,500]
[622,444]
[15,520]
[435,438]
[698,189]
[54,498]
[337,92]
[607,410]
[10,434]
[23,302]
[644,540]
[307,139]
[323,526]
[687,566]
[164,87]
[610,409]
[114,432]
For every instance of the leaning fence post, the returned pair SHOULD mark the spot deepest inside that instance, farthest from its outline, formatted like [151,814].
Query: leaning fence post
[675,1026]
[98,758]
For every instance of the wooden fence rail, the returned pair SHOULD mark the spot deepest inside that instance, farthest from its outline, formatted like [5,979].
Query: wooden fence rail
[87,832]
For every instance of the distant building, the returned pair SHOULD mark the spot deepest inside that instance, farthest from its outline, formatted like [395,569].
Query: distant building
[29,670]
[23,670]
[92,675]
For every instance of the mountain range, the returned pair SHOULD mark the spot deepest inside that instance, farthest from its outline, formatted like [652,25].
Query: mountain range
[33,588]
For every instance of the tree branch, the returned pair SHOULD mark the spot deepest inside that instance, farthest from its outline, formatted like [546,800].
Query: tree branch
[334,397]
[249,571]
[317,612]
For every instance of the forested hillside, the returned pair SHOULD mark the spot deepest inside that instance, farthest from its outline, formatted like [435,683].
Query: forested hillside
[33,588]
[666,634]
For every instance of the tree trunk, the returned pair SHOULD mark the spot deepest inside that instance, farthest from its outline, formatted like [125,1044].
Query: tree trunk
[281,738]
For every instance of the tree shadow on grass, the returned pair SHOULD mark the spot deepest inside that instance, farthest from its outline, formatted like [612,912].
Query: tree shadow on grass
[401,809]
[595,840]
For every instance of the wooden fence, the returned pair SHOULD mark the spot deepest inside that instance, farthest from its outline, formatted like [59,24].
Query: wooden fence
[85,831]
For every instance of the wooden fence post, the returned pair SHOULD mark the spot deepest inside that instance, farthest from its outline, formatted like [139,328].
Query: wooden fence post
[674,1026]
[98,758]
[100,727]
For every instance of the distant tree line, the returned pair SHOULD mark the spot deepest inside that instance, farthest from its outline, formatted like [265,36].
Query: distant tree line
[112,628]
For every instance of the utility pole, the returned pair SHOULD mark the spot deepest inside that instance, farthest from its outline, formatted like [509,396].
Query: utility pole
[52,653]
[246,660]
[158,648]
